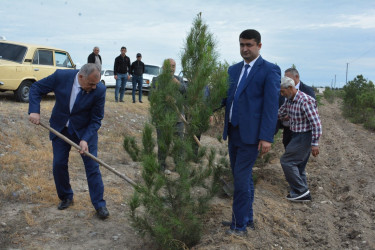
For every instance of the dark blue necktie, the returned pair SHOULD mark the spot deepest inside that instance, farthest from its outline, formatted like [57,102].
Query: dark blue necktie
[79,95]
[234,119]
[78,98]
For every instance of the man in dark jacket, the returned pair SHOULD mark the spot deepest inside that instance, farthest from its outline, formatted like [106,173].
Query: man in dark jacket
[121,71]
[292,73]
[94,57]
[77,114]
[137,69]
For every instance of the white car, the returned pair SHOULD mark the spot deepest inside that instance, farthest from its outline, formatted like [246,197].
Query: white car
[150,72]
[107,78]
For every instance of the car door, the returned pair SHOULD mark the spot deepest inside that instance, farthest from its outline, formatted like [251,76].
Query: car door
[109,78]
[62,60]
[43,63]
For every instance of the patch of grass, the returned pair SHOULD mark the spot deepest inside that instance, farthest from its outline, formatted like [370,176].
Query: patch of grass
[29,218]
[319,100]
[370,123]
[329,95]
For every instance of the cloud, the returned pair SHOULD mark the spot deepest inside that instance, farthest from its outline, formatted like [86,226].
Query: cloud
[361,21]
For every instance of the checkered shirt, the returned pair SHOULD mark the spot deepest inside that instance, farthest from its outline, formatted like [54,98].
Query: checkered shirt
[303,115]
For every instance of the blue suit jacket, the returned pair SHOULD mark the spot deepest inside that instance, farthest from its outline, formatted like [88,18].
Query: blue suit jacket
[85,117]
[258,101]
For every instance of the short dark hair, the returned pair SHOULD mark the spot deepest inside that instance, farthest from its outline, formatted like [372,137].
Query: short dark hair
[251,34]
[123,47]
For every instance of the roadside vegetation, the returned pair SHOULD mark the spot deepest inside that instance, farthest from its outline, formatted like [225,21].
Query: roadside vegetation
[359,102]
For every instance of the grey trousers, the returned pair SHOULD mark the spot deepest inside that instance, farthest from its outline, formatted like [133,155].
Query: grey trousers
[294,162]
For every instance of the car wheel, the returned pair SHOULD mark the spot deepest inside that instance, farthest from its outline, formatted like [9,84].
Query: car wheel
[103,82]
[22,93]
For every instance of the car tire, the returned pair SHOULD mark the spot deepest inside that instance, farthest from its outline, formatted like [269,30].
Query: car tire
[103,82]
[22,93]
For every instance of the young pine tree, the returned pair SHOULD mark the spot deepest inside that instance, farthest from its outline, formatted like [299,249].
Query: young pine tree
[170,207]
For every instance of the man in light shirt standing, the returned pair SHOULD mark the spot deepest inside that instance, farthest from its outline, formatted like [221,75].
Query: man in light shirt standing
[94,57]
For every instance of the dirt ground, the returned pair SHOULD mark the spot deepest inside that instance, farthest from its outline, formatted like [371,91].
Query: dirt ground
[340,216]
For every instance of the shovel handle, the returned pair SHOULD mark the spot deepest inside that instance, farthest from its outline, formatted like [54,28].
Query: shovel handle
[67,140]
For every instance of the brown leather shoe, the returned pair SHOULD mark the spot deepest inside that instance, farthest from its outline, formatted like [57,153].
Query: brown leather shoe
[64,204]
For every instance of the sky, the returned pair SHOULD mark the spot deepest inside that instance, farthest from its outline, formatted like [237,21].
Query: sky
[321,38]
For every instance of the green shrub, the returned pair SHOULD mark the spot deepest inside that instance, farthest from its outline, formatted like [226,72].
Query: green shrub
[359,101]
[329,94]
[319,100]
[370,123]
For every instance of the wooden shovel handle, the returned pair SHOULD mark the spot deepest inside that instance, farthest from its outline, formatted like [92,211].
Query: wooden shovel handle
[67,140]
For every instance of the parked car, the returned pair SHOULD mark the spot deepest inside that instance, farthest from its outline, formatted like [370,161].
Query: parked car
[22,64]
[107,78]
[150,72]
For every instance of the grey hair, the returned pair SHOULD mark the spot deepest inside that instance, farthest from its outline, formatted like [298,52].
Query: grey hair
[88,69]
[96,47]
[286,82]
[293,71]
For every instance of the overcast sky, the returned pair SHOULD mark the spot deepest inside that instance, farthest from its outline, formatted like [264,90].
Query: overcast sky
[319,37]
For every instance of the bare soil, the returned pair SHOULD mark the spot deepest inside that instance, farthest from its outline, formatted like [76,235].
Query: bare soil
[341,179]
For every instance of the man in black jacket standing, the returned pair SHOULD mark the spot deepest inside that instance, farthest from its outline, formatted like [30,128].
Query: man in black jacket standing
[137,69]
[293,73]
[121,71]
[94,57]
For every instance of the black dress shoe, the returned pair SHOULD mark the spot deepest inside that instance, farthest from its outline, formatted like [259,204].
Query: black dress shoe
[226,223]
[65,204]
[140,101]
[236,232]
[250,224]
[102,213]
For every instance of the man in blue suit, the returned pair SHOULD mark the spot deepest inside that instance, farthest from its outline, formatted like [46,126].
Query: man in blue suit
[250,120]
[77,114]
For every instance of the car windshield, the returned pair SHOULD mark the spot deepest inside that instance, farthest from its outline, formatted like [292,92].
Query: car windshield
[152,70]
[12,52]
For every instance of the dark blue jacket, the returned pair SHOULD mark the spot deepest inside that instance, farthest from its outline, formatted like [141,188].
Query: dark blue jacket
[258,101]
[85,117]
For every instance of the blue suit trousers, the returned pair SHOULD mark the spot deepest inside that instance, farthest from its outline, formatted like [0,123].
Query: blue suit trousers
[61,151]
[242,158]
